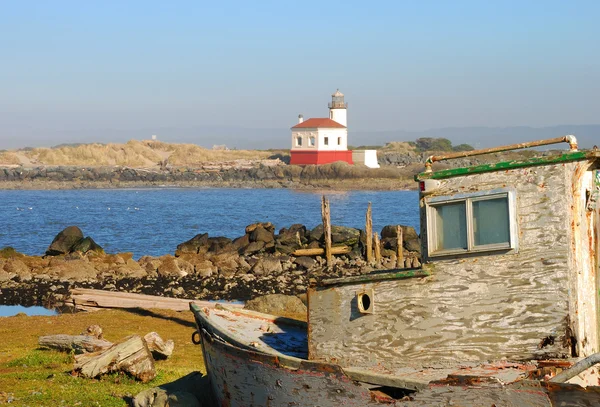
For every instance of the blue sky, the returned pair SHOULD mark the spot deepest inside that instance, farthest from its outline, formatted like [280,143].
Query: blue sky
[412,65]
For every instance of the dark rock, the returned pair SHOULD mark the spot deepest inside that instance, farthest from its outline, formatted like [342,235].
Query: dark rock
[261,234]
[193,245]
[305,262]
[253,247]
[64,241]
[277,304]
[86,245]
[340,235]
[290,236]
[268,226]
[411,240]
[220,244]
[241,242]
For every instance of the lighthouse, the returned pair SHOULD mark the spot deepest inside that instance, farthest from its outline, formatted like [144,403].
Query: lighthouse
[322,140]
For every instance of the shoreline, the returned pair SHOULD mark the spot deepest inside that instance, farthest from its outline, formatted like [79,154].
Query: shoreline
[338,176]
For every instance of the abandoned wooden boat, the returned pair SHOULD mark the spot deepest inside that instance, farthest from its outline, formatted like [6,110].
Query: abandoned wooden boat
[503,311]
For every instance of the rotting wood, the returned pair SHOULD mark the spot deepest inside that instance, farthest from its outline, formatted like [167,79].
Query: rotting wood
[377,246]
[76,343]
[160,349]
[131,356]
[399,247]
[369,233]
[325,213]
[319,251]
[93,300]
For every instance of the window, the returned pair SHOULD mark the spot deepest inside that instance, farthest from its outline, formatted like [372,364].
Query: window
[326,141]
[339,141]
[311,141]
[478,222]
[299,141]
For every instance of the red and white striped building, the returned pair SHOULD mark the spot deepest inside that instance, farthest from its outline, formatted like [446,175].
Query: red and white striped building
[322,140]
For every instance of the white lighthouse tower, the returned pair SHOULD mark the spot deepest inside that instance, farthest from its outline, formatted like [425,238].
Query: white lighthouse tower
[337,108]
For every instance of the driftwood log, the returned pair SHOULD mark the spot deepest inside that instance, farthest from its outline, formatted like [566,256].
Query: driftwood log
[160,349]
[131,356]
[77,343]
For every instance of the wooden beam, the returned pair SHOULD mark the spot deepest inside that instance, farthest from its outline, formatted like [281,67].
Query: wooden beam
[399,247]
[377,244]
[319,251]
[369,233]
[325,214]
[89,300]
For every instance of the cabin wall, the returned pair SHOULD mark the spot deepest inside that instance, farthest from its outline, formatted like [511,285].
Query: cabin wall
[515,305]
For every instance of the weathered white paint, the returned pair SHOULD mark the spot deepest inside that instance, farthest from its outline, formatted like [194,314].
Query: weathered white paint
[365,157]
[319,134]
[516,305]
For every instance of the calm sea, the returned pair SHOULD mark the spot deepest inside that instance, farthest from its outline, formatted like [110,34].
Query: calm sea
[154,221]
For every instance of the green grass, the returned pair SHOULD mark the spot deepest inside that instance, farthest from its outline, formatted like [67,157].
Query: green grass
[31,376]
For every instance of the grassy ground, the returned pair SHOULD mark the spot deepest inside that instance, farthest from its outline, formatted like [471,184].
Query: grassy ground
[30,376]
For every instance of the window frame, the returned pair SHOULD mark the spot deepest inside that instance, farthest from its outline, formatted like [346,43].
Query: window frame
[299,141]
[468,199]
[325,140]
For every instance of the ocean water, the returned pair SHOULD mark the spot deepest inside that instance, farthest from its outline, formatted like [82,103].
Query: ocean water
[154,221]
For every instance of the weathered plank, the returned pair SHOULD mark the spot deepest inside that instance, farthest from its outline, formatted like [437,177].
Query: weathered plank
[513,305]
[369,233]
[90,300]
[399,247]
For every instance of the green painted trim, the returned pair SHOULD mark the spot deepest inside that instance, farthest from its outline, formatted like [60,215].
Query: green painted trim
[504,165]
[374,277]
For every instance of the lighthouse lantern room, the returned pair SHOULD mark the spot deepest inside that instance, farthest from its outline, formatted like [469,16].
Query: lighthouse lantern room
[322,140]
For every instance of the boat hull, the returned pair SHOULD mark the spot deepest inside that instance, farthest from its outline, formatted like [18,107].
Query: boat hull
[243,377]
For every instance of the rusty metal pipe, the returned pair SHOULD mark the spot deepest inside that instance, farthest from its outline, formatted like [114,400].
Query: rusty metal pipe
[577,368]
[461,154]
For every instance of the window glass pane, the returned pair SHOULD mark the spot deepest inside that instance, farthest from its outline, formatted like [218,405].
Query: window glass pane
[491,223]
[451,225]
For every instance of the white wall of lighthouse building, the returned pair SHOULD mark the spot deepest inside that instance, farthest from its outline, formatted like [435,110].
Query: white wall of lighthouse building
[337,139]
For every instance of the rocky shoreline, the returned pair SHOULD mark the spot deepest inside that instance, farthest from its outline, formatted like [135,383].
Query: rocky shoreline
[212,268]
[262,174]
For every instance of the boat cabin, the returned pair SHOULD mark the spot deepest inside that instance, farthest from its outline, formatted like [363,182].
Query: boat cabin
[509,274]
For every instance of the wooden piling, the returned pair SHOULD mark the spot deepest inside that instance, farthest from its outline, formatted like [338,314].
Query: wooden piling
[326,216]
[369,233]
[399,247]
[377,245]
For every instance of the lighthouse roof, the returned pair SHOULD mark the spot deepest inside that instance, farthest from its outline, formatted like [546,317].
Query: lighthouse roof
[319,122]
[337,93]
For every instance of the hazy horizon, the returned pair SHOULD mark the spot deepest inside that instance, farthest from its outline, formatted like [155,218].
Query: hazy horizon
[242,72]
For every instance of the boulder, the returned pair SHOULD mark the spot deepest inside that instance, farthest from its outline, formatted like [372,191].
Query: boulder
[253,247]
[64,241]
[261,234]
[267,265]
[73,270]
[411,240]
[226,263]
[290,236]
[277,304]
[268,226]
[9,253]
[86,245]
[193,245]
[185,391]
[220,244]
[169,267]
[340,235]
[305,262]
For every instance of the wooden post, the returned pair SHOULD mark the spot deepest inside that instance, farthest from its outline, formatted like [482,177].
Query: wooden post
[399,247]
[369,233]
[326,216]
[377,245]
